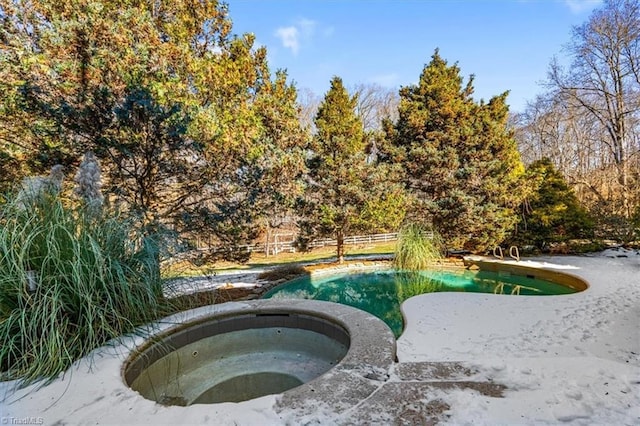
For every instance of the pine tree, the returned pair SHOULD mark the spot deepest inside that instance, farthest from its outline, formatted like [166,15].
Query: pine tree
[459,158]
[344,192]
[280,151]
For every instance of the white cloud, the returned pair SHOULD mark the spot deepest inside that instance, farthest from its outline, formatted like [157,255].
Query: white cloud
[295,36]
[290,38]
[579,6]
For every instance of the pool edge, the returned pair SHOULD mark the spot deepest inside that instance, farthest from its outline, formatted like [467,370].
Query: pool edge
[537,271]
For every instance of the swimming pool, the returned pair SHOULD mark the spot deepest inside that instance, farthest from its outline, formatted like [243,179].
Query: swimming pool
[382,292]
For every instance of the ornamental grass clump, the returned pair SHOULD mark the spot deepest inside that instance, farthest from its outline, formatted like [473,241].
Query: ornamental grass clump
[89,184]
[69,283]
[417,248]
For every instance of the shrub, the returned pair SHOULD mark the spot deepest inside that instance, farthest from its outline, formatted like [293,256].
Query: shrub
[70,281]
[417,248]
[553,214]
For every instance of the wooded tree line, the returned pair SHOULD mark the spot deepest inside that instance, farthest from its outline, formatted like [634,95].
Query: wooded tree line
[198,135]
[588,121]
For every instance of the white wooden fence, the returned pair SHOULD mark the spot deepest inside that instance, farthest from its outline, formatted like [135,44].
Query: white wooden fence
[286,242]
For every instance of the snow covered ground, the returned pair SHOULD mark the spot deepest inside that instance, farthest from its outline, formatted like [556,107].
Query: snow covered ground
[571,359]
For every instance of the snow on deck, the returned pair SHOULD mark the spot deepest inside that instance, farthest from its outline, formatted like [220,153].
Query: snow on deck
[571,359]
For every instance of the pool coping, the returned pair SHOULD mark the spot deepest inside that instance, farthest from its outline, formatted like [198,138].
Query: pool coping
[528,269]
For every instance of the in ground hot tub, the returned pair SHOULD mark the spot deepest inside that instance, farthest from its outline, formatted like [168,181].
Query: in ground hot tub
[237,356]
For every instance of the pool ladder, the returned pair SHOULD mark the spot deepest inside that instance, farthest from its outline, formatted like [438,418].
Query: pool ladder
[499,289]
[514,253]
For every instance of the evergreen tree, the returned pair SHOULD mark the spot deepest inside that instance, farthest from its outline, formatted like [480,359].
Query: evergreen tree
[280,155]
[552,213]
[459,158]
[344,192]
[160,91]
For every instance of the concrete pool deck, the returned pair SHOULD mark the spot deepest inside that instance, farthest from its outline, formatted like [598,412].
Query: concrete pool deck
[463,359]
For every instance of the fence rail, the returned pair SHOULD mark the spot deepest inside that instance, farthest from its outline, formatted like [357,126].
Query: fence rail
[286,243]
[357,239]
[283,243]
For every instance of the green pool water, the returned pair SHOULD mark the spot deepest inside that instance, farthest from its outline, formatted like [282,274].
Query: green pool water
[381,292]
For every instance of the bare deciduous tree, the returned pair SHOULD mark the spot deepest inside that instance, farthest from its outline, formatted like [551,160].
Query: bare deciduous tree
[603,82]
[375,103]
[308,103]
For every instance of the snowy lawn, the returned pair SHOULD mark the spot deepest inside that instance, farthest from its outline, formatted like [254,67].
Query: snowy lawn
[573,358]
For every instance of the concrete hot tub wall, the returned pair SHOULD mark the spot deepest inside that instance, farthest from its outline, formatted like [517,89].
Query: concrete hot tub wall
[263,347]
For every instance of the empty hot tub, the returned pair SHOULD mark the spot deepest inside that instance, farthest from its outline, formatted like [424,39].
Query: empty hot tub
[237,356]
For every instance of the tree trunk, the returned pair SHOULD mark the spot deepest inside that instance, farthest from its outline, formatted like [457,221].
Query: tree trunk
[340,246]
[267,243]
[623,173]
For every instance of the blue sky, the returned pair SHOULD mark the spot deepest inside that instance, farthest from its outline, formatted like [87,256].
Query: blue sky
[507,44]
